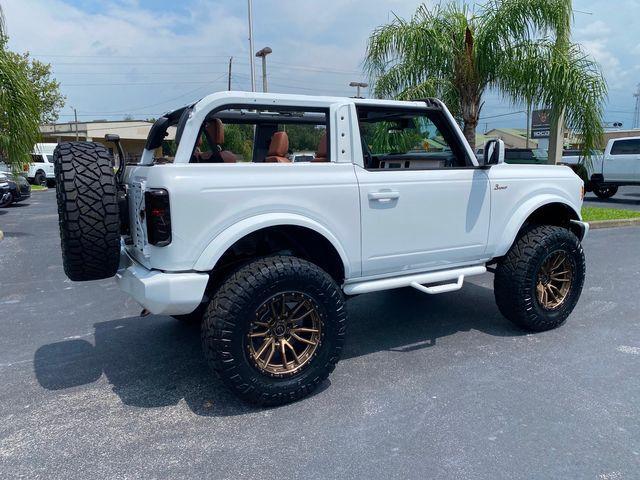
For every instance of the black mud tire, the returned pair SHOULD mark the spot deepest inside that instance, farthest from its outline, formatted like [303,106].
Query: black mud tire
[87,210]
[228,317]
[517,275]
[605,192]
[40,179]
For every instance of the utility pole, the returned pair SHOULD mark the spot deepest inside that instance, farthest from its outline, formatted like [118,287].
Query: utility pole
[251,62]
[636,114]
[229,75]
[263,54]
[75,114]
[528,122]
[358,85]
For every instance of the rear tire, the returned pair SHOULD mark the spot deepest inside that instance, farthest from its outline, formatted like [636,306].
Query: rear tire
[262,305]
[604,192]
[87,210]
[40,179]
[529,290]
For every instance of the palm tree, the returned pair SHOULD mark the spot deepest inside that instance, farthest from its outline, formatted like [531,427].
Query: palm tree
[520,48]
[19,108]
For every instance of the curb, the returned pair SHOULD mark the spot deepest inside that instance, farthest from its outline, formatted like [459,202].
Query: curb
[626,222]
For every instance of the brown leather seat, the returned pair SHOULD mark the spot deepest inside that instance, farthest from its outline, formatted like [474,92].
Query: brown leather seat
[215,134]
[321,153]
[278,148]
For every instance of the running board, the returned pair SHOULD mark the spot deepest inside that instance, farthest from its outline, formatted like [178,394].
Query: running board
[417,281]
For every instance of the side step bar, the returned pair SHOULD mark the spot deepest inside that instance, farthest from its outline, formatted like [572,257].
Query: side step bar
[417,281]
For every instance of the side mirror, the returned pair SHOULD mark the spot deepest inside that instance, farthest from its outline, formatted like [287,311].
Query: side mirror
[494,152]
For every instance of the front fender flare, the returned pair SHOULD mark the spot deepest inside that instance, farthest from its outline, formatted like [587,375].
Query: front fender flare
[522,214]
[221,243]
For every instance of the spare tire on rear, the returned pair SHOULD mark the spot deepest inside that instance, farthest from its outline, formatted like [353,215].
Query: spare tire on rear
[87,210]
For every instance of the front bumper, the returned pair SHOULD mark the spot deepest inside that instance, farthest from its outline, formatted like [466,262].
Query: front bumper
[161,293]
[583,228]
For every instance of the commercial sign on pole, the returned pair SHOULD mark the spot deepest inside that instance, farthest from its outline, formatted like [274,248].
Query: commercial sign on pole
[541,124]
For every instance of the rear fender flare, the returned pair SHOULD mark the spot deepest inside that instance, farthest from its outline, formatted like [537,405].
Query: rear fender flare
[221,243]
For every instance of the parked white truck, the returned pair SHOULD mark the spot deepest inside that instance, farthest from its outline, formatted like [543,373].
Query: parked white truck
[263,253]
[604,172]
[40,171]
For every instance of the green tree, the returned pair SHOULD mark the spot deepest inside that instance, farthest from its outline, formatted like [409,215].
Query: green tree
[48,89]
[520,48]
[20,108]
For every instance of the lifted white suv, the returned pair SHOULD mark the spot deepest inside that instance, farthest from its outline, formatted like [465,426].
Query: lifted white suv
[263,251]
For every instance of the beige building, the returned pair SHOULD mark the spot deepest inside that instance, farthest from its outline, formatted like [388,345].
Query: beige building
[133,134]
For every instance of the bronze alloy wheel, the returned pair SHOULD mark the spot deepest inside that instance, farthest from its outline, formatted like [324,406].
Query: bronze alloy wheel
[285,334]
[554,280]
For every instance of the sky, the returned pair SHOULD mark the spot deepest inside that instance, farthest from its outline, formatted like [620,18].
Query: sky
[140,58]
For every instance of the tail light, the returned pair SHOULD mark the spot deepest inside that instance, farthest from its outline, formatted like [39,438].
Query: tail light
[158,214]
[25,167]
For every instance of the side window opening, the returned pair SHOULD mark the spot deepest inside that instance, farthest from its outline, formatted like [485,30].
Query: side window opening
[626,147]
[409,139]
[263,135]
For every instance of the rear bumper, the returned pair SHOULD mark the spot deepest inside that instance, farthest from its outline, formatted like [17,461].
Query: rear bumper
[161,293]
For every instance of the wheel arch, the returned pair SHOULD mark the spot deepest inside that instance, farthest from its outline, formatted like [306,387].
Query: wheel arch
[304,236]
[550,211]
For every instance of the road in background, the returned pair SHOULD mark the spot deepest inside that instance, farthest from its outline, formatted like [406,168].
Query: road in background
[429,386]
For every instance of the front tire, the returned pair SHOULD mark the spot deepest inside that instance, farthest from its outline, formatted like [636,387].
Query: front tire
[539,281]
[275,329]
[604,192]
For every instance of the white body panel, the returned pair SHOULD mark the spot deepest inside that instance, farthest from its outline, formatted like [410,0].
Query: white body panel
[620,168]
[385,224]
[405,227]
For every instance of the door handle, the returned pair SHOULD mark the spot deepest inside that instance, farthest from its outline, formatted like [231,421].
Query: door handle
[384,195]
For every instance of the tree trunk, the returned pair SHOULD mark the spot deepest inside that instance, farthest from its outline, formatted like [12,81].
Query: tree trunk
[469,131]
[470,109]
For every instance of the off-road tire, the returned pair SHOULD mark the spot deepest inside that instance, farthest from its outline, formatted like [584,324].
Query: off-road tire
[87,210]
[517,276]
[229,315]
[604,192]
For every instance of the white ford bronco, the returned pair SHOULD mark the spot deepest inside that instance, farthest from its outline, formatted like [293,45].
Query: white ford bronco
[263,251]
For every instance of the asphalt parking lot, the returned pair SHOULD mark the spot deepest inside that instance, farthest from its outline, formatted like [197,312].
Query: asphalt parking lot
[429,387]
[627,198]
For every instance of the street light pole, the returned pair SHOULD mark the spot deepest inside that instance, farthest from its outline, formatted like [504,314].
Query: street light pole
[75,114]
[358,85]
[263,54]
[251,62]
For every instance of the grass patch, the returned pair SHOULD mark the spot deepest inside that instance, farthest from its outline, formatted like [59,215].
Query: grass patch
[593,214]
[38,188]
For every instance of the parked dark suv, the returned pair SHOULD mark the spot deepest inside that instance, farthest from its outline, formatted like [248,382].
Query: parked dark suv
[13,189]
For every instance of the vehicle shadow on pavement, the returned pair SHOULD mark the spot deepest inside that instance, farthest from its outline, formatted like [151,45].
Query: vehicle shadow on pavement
[406,320]
[156,361]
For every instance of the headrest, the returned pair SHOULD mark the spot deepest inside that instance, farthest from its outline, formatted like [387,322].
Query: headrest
[215,130]
[279,146]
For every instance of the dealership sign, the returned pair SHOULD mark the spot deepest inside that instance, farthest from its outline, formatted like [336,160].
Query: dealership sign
[541,124]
